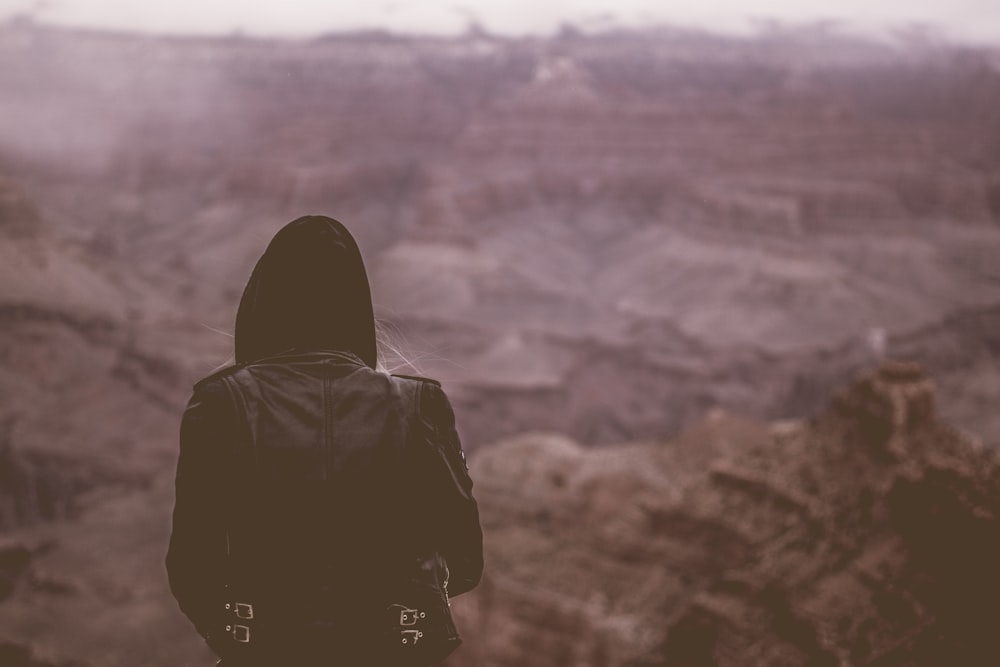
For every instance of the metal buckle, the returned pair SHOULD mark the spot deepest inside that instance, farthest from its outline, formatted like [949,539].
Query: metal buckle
[410,616]
[411,636]
[241,633]
[244,610]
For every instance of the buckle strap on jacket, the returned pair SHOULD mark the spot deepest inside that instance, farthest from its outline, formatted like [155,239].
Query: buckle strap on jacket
[242,611]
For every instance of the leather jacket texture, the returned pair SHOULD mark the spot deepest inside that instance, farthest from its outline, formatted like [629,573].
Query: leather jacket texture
[324,511]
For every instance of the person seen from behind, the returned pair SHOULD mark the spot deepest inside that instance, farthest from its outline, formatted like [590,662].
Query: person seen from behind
[324,512]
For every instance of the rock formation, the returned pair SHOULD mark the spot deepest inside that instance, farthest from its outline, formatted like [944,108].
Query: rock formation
[868,535]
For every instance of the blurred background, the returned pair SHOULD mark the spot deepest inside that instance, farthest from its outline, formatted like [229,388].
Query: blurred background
[648,249]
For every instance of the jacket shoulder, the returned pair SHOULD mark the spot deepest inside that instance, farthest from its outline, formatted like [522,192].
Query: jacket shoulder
[217,375]
[418,378]
[425,393]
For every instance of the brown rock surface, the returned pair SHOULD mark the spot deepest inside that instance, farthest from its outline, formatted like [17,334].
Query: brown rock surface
[868,535]
[87,403]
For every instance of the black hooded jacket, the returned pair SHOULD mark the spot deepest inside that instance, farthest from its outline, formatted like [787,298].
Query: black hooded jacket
[308,483]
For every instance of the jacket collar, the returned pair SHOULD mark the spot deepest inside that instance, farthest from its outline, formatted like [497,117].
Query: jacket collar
[311,355]
[290,356]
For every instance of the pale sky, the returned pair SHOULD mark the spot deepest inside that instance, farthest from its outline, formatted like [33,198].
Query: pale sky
[978,20]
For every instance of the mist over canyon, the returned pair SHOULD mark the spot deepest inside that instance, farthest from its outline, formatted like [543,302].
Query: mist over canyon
[643,264]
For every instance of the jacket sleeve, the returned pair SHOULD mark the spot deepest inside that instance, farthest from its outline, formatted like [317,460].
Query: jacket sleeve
[197,551]
[453,505]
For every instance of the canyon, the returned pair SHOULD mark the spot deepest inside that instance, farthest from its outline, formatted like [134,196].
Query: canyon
[664,276]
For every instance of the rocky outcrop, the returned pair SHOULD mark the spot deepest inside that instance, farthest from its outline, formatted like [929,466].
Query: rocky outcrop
[868,535]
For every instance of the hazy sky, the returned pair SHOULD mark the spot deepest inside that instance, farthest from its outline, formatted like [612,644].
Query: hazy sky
[965,19]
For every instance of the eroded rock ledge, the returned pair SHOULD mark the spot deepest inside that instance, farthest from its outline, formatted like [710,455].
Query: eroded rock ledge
[868,535]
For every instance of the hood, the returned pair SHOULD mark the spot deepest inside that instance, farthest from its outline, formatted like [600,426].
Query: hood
[308,291]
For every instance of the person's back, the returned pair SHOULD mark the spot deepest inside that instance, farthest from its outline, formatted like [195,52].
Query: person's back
[320,503]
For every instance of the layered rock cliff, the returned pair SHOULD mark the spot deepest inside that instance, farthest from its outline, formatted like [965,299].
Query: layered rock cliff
[540,216]
[868,535]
